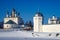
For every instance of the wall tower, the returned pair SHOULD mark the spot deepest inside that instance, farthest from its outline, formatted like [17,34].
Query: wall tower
[38,21]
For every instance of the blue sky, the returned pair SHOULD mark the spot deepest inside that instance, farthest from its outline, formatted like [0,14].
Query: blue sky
[28,8]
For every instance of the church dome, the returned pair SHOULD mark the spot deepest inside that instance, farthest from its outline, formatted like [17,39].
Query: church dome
[39,14]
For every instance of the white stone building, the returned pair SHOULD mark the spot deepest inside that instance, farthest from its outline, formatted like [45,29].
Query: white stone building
[12,21]
[52,26]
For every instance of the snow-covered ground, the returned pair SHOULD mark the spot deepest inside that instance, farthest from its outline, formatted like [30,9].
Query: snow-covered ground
[29,35]
[14,38]
[16,34]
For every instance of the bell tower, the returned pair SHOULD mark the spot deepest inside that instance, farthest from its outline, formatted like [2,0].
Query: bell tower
[37,19]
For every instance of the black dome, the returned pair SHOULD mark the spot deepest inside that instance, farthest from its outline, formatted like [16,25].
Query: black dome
[39,14]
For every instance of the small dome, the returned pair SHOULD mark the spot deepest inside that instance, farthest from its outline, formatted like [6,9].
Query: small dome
[13,9]
[38,14]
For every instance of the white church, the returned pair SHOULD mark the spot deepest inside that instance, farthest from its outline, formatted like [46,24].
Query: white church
[52,26]
[13,20]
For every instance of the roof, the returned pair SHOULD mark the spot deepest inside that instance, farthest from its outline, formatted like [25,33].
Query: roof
[39,14]
[13,9]
[10,22]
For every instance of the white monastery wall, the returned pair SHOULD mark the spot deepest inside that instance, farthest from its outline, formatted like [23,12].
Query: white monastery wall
[51,28]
